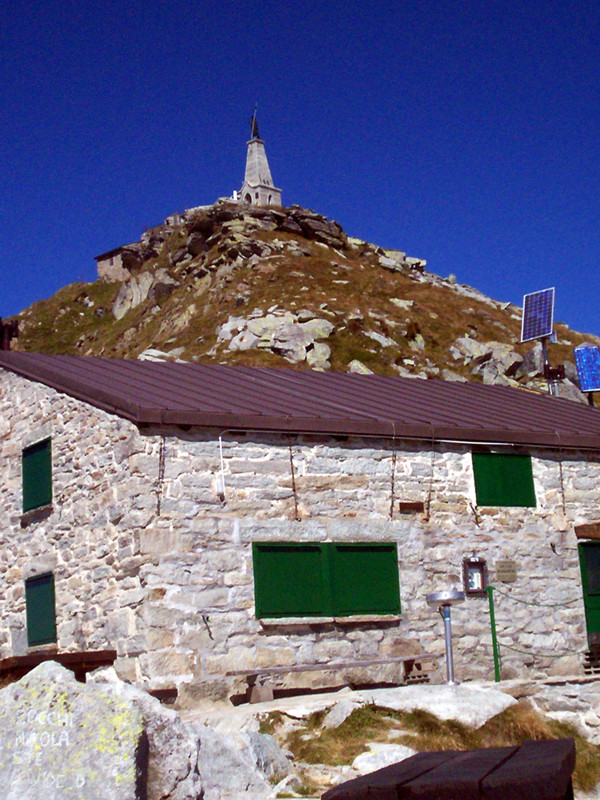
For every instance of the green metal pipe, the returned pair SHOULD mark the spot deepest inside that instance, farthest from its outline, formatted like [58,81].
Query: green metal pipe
[490,591]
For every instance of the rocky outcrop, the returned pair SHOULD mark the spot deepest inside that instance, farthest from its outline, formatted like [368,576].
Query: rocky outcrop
[294,336]
[155,286]
[498,363]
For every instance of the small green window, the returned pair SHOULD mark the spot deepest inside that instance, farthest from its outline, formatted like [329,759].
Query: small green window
[503,479]
[37,475]
[40,610]
[293,579]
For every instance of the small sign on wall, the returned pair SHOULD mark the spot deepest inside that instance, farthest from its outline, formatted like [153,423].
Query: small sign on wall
[506,570]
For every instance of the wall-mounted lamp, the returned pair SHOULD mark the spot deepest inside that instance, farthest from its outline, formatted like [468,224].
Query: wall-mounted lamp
[475,576]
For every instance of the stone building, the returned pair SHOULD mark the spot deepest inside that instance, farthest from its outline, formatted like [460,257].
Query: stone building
[110,265]
[258,188]
[204,520]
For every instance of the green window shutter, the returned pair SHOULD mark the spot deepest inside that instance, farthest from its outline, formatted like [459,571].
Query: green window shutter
[37,475]
[503,479]
[364,579]
[290,580]
[40,610]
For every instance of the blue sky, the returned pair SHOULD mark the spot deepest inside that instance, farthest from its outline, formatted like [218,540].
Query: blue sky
[465,133]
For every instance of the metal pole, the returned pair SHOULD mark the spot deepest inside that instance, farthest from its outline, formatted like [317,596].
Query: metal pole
[546,365]
[445,612]
[490,591]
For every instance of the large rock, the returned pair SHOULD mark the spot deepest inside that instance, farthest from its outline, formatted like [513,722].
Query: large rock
[229,765]
[172,751]
[317,328]
[470,350]
[533,361]
[380,755]
[105,739]
[62,739]
[132,293]
[469,704]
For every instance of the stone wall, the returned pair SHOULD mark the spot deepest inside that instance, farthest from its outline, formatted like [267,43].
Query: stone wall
[150,545]
[111,268]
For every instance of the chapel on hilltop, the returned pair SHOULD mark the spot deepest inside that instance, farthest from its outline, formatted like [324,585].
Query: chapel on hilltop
[258,188]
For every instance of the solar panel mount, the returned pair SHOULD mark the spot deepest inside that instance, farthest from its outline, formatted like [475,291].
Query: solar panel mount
[538,315]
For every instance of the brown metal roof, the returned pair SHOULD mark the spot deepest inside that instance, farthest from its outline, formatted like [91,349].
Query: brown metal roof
[253,398]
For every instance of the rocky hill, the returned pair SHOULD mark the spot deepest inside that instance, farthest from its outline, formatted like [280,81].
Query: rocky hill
[234,284]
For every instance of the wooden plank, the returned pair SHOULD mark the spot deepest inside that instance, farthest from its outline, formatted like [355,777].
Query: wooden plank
[84,658]
[534,769]
[371,662]
[590,530]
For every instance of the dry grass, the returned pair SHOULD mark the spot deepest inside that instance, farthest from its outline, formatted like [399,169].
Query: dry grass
[312,744]
[77,319]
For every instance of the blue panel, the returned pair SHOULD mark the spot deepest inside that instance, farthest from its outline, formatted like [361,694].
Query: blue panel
[538,315]
[587,360]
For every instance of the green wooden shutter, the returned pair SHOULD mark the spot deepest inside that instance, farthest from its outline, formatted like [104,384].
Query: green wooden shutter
[37,475]
[589,559]
[290,580]
[364,578]
[40,610]
[503,479]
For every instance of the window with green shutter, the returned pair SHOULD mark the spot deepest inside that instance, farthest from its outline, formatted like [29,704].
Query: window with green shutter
[37,475]
[364,579]
[293,579]
[503,479]
[40,610]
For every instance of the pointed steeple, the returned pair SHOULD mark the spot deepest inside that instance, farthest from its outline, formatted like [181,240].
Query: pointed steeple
[258,189]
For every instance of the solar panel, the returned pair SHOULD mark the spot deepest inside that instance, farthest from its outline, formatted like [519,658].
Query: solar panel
[538,315]
[587,361]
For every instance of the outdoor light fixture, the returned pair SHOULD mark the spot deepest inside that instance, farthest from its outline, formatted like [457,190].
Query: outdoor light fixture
[475,577]
[444,601]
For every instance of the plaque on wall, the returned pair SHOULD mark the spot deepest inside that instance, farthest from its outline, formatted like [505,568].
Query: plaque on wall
[506,570]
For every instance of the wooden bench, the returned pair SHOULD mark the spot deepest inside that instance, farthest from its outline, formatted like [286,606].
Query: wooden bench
[415,669]
[80,663]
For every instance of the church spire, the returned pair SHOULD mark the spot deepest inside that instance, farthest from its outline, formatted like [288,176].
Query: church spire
[258,188]
[254,125]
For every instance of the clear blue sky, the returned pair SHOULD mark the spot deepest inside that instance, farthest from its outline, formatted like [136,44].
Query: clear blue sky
[465,133]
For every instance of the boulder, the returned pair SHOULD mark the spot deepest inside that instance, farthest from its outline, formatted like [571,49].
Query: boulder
[472,705]
[196,244]
[64,739]
[245,340]
[290,226]
[533,361]
[390,263]
[267,325]
[291,341]
[131,258]
[405,305]
[384,341]
[228,766]
[470,350]
[449,375]
[340,712]
[380,755]
[317,328]
[132,293]
[357,367]
[568,390]
[318,356]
